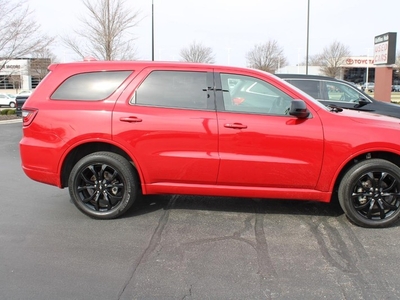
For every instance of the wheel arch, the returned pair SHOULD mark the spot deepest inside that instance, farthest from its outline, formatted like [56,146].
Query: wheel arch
[392,157]
[87,148]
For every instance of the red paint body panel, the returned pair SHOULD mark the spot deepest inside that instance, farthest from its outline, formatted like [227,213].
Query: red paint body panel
[189,151]
[272,151]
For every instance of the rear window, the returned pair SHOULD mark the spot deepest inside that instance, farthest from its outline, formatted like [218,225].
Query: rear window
[178,89]
[311,87]
[92,86]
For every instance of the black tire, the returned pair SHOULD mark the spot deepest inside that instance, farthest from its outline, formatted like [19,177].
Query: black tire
[369,193]
[12,104]
[103,185]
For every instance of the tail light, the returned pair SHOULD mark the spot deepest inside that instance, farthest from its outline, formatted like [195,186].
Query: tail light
[28,114]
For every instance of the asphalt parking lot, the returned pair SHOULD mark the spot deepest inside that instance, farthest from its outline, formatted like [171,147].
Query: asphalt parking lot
[184,247]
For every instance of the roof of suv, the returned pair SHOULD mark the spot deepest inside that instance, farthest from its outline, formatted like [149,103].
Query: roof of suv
[304,76]
[113,65]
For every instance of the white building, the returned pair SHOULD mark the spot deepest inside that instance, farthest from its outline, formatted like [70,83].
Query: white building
[354,69]
[22,73]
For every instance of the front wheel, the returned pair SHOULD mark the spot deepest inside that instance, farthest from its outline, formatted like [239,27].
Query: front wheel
[103,185]
[12,104]
[369,193]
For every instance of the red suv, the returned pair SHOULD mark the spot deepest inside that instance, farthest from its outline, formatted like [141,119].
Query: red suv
[111,130]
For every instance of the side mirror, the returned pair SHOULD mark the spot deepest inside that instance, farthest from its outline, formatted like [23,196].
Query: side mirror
[361,102]
[298,108]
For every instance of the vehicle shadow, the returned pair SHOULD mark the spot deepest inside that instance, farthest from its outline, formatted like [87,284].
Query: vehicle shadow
[148,204]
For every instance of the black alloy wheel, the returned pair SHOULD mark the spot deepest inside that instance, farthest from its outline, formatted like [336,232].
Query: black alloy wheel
[369,193]
[103,185]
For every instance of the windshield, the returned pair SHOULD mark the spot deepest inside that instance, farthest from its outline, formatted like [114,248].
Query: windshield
[341,92]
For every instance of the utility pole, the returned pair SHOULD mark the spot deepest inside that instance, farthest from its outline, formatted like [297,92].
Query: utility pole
[152,30]
[308,34]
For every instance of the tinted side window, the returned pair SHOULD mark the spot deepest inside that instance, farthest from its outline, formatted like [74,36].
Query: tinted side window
[253,95]
[173,89]
[90,86]
[310,87]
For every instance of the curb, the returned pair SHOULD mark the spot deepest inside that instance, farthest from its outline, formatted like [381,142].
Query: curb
[11,121]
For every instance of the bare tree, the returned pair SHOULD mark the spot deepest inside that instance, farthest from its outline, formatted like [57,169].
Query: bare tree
[267,57]
[40,61]
[15,80]
[106,32]
[332,58]
[20,35]
[197,53]
[315,60]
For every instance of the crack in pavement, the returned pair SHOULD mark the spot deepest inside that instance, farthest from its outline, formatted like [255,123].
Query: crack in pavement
[349,258]
[154,241]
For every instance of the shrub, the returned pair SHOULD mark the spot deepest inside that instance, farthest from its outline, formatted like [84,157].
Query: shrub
[7,111]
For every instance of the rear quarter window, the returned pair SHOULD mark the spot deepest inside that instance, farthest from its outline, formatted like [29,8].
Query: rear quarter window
[91,86]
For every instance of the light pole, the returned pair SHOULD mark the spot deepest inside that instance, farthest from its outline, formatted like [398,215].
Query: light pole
[367,75]
[298,60]
[152,30]
[308,34]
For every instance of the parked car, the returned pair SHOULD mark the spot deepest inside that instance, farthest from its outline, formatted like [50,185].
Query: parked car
[19,102]
[7,100]
[395,88]
[331,91]
[370,87]
[111,130]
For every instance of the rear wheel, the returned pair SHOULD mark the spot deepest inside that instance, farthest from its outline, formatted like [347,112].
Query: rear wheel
[369,193]
[12,104]
[103,185]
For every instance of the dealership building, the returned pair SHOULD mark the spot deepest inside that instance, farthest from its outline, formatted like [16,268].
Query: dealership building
[22,73]
[353,69]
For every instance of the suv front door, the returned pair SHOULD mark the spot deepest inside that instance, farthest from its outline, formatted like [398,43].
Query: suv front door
[260,145]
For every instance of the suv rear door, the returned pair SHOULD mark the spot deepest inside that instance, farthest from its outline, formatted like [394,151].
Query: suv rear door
[167,118]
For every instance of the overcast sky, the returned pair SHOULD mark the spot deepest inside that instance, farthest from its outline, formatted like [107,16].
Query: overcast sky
[232,28]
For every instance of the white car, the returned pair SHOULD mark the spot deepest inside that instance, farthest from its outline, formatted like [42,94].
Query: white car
[370,87]
[7,100]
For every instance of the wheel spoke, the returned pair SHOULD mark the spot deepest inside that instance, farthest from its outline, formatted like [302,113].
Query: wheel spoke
[391,187]
[382,213]
[106,199]
[96,202]
[86,180]
[371,178]
[91,168]
[381,181]
[101,173]
[86,187]
[359,194]
[115,185]
[389,205]
[114,175]
[371,206]
[362,206]
[88,199]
